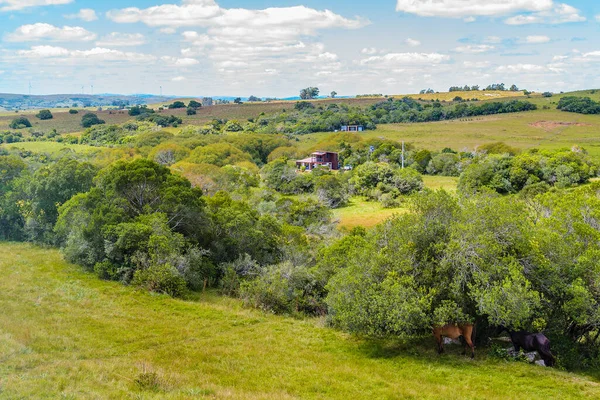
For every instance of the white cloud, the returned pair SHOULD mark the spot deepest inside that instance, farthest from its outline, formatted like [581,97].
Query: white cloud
[521,68]
[537,39]
[369,50]
[598,17]
[44,52]
[168,31]
[96,54]
[179,62]
[13,5]
[178,79]
[412,42]
[474,49]
[462,8]
[116,39]
[85,14]
[398,59]
[40,31]
[560,13]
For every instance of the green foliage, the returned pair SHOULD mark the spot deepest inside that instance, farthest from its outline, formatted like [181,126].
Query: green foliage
[139,110]
[219,154]
[511,174]
[163,279]
[91,119]
[581,105]
[20,123]
[385,182]
[176,104]
[194,104]
[191,111]
[73,112]
[44,115]
[309,93]
[332,191]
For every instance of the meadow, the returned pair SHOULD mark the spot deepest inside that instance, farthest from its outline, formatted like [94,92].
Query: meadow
[66,334]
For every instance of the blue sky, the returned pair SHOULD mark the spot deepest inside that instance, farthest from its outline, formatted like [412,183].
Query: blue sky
[276,47]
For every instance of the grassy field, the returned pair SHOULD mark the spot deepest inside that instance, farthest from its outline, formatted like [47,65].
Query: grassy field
[546,129]
[65,334]
[49,147]
[479,95]
[360,212]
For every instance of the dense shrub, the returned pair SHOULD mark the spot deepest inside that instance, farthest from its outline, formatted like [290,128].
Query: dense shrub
[20,123]
[581,105]
[91,119]
[44,115]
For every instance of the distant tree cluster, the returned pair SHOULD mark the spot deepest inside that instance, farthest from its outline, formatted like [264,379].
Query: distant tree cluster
[581,105]
[309,93]
[91,119]
[465,88]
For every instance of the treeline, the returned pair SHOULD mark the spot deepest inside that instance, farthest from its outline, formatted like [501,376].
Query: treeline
[581,105]
[495,86]
[138,223]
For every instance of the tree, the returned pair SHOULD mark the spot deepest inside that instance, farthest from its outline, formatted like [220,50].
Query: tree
[20,123]
[333,94]
[514,88]
[237,100]
[191,111]
[177,104]
[253,99]
[547,94]
[194,104]
[91,119]
[309,93]
[71,111]
[44,115]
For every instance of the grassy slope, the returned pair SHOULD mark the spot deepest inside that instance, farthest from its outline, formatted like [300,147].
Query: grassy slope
[65,334]
[360,212]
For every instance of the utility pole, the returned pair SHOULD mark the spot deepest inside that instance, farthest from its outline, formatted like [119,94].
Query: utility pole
[161,91]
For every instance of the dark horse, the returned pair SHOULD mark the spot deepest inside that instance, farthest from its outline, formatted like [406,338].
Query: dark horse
[532,342]
[454,332]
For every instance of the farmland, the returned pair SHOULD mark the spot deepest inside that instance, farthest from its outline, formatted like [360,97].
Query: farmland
[66,334]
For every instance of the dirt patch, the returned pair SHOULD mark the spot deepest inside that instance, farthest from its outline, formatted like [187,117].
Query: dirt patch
[552,125]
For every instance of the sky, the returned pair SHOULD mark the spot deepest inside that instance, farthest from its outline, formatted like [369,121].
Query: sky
[273,48]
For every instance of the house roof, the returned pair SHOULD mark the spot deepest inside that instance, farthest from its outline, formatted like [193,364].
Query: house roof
[319,153]
[306,160]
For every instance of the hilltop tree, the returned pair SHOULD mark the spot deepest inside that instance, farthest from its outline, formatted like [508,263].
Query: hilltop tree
[44,115]
[194,104]
[253,98]
[309,93]
[333,94]
[238,100]
[514,88]
[177,104]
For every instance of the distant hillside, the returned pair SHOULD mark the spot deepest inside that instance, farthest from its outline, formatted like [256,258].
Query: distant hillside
[11,102]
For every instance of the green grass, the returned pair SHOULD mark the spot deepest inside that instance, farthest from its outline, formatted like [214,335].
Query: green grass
[66,334]
[360,212]
[49,147]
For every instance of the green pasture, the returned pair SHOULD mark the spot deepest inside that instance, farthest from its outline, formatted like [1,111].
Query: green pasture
[64,334]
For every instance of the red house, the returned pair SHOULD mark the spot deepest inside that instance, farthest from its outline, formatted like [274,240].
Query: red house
[320,158]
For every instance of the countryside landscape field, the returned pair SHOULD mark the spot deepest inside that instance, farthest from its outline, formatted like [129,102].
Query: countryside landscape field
[218,199]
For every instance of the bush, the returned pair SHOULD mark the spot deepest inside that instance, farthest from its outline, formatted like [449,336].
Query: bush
[91,119]
[71,111]
[44,115]
[20,123]
[163,279]
[191,111]
[547,94]
[177,104]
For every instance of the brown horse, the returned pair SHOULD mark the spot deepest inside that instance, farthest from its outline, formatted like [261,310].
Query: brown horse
[453,331]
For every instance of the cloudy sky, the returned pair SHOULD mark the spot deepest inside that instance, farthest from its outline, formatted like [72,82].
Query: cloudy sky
[276,47]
